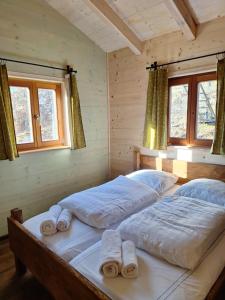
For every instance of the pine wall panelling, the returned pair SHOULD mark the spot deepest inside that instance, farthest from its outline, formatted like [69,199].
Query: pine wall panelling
[128,84]
[33,31]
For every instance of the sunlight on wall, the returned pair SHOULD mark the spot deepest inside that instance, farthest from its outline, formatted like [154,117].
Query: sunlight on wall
[184,154]
[162,154]
[158,163]
[195,154]
[180,168]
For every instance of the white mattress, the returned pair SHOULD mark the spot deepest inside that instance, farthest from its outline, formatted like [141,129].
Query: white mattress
[158,280]
[71,243]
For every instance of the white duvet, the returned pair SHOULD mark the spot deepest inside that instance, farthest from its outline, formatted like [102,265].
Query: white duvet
[177,229]
[111,202]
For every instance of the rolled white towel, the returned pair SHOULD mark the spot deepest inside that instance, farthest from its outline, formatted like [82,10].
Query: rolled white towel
[48,226]
[64,220]
[111,259]
[130,264]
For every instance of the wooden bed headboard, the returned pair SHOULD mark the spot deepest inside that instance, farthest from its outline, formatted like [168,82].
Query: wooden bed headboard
[186,171]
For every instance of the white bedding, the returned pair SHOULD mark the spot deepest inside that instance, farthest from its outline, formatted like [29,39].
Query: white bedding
[70,243]
[110,203]
[209,190]
[160,181]
[67,244]
[178,229]
[157,280]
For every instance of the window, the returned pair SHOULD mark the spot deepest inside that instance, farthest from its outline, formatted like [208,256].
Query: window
[37,112]
[192,110]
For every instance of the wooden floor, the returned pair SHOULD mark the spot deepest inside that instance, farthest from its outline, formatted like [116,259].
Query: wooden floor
[26,287]
[14,288]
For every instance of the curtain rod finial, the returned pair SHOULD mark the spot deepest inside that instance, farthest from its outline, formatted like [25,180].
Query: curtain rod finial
[70,69]
[154,65]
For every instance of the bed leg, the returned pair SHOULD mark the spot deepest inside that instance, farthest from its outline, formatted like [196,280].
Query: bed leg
[17,215]
[20,267]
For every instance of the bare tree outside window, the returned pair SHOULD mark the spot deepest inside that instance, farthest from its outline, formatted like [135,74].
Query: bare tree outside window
[192,109]
[37,113]
[22,114]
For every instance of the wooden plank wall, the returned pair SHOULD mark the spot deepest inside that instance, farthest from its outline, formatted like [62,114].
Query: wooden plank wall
[33,31]
[128,84]
[183,169]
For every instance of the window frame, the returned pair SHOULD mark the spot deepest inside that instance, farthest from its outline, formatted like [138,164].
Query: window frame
[192,81]
[33,86]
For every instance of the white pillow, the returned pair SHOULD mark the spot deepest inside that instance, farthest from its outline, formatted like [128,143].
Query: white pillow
[111,202]
[158,180]
[209,190]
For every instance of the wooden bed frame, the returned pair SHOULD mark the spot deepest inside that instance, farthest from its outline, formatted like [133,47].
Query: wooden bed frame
[61,279]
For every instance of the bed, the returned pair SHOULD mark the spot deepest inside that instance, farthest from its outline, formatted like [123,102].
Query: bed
[79,237]
[72,282]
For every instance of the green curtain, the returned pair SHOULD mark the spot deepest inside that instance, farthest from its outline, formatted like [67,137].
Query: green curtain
[155,131]
[78,138]
[218,146]
[8,148]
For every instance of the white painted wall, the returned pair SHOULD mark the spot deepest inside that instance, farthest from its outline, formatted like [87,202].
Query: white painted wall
[128,88]
[31,30]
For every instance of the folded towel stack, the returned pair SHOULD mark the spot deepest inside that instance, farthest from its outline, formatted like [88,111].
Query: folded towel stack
[56,219]
[117,257]
[111,258]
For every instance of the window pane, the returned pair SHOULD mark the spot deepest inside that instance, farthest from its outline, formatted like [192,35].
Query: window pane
[206,110]
[48,114]
[22,114]
[178,110]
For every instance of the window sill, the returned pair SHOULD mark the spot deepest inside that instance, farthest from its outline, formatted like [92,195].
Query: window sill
[44,149]
[188,147]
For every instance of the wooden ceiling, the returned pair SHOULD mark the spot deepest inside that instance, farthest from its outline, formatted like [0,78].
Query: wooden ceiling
[116,24]
[206,10]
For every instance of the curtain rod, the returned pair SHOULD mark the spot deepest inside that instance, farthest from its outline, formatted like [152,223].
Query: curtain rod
[68,69]
[155,65]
